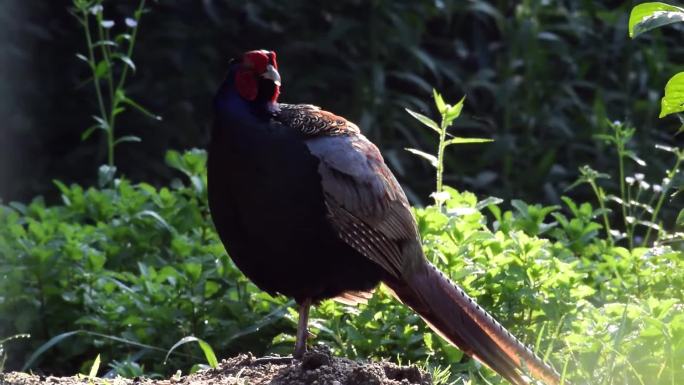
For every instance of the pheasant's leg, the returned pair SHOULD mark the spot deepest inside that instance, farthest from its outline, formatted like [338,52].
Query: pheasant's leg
[302,329]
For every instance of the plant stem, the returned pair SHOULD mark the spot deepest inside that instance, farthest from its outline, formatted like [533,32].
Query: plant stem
[670,176]
[93,67]
[119,87]
[134,33]
[625,200]
[440,155]
[600,195]
[106,56]
[110,81]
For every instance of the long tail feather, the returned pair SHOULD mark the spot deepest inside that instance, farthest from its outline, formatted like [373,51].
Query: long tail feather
[457,318]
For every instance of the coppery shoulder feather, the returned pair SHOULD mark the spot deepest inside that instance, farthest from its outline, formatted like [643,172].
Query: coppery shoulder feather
[310,120]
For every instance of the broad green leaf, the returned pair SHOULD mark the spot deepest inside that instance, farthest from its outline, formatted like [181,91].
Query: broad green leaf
[458,140]
[425,120]
[673,101]
[647,16]
[429,157]
[680,218]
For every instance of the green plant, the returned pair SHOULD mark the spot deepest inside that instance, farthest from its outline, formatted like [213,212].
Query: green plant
[105,51]
[640,203]
[448,114]
[125,268]
[645,17]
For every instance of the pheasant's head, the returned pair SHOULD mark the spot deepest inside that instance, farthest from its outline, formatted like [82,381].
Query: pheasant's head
[257,77]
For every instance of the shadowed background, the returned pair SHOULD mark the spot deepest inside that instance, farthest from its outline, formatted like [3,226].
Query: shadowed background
[540,79]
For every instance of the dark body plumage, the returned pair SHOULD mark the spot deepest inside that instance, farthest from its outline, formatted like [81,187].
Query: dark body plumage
[267,203]
[307,208]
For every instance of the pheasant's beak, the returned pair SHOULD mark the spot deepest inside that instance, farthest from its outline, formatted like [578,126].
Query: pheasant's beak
[272,74]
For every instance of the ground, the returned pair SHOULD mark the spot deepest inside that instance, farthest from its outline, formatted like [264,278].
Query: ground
[317,367]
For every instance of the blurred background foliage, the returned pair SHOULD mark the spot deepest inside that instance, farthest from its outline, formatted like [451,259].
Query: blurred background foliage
[541,78]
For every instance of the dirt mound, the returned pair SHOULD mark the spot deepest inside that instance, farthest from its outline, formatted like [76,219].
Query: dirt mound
[317,367]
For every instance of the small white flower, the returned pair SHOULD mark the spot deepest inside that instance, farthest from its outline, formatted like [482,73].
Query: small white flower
[95,9]
[107,24]
[644,185]
[639,176]
[629,180]
[657,188]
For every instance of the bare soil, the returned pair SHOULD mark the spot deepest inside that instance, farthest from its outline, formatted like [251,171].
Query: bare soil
[317,367]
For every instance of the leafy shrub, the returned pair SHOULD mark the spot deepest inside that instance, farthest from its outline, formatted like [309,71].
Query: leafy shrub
[139,267]
[131,261]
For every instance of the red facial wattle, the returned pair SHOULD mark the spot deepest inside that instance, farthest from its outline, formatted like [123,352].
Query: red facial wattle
[255,64]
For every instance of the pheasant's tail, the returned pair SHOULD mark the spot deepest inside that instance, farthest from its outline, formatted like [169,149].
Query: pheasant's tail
[456,317]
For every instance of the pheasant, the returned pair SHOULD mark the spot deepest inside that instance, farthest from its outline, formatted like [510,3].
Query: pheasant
[306,208]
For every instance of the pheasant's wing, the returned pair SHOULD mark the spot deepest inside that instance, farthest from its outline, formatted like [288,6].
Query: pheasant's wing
[365,203]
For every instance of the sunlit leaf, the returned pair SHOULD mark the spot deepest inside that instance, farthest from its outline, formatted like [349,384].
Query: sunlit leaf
[95,367]
[458,140]
[633,156]
[429,157]
[425,120]
[453,112]
[673,101]
[82,57]
[109,43]
[127,138]
[647,16]
[128,61]
[439,101]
